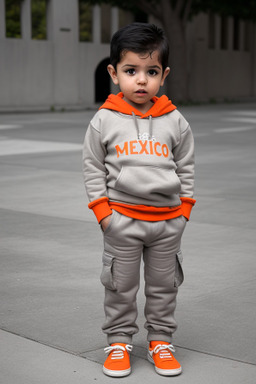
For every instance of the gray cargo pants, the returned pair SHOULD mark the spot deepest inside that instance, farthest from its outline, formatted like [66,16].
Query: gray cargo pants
[125,241]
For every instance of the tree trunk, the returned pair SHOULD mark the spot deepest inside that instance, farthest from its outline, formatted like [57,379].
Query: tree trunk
[177,81]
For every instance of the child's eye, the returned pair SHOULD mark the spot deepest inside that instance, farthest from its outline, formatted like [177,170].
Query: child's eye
[130,71]
[152,72]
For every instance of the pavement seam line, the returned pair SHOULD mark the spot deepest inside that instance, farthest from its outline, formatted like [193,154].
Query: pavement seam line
[215,355]
[61,349]
[47,216]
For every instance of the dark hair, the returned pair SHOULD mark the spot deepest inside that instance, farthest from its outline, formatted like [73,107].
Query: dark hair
[139,38]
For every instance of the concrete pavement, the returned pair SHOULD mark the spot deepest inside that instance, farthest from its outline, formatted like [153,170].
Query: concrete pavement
[50,255]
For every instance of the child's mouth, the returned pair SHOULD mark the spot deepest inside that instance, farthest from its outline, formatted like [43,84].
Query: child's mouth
[141,91]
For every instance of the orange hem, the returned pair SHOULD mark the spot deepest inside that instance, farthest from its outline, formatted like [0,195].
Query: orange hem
[147,213]
[100,208]
[186,206]
[103,208]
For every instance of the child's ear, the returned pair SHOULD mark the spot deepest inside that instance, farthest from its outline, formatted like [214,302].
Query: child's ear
[113,74]
[165,74]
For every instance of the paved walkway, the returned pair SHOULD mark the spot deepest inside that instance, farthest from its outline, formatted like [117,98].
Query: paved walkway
[50,255]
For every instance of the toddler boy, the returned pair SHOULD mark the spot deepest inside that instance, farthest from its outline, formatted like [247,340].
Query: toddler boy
[139,176]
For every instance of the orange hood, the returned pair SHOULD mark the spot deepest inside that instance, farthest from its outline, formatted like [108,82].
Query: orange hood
[161,106]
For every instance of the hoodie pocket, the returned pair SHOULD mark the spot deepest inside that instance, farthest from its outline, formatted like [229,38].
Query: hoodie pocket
[147,181]
[179,275]
[106,277]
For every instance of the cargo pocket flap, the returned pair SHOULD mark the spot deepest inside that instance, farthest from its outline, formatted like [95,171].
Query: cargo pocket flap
[106,277]
[179,275]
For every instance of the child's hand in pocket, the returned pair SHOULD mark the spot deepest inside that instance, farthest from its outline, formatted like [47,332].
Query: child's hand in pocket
[105,222]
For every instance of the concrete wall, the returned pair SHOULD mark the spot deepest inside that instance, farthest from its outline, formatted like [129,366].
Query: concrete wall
[217,73]
[59,72]
[26,73]
[63,34]
[229,78]
[90,55]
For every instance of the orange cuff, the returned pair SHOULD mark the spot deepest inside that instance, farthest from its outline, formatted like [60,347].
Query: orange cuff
[186,206]
[100,208]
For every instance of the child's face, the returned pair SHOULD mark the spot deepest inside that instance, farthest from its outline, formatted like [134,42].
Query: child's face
[139,77]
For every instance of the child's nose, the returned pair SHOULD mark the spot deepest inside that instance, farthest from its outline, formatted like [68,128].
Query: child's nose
[142,78]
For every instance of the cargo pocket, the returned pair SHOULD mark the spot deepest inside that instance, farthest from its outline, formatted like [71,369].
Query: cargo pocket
[107,278]
[179,276]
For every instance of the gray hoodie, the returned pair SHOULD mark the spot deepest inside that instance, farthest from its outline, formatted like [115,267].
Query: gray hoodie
[139,160]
